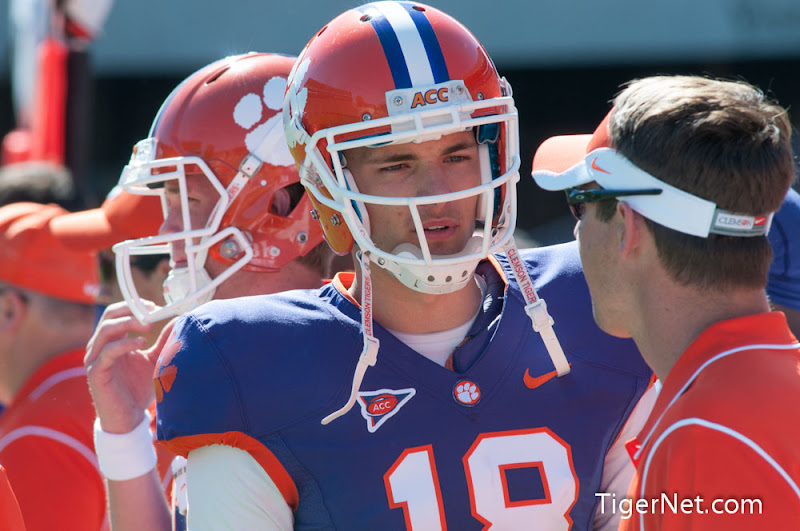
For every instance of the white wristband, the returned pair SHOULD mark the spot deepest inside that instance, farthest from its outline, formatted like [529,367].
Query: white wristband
[123,456]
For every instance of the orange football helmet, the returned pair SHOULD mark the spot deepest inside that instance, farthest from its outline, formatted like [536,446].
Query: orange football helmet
[223,122]
[397,72]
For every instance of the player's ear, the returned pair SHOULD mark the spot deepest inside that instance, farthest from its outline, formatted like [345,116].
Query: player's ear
[13,307]
[632,228]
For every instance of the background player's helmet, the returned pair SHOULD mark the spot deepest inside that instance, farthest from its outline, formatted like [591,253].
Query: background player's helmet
[223,123]
[397,72]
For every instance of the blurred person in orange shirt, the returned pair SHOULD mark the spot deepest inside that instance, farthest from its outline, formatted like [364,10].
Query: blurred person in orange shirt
[47,314]
[41,246]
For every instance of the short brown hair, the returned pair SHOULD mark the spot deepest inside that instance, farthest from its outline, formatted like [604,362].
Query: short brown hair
[723,141]
[320,259]
[36,182]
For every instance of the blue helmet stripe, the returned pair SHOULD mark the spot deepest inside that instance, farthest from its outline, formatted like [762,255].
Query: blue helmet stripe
[412,50]
[431,43]
[391,47]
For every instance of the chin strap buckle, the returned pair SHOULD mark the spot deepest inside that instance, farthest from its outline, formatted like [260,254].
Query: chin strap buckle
[540,318]
[543,325]
[369,354]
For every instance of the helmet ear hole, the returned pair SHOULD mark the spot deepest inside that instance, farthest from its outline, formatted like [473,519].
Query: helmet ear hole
[286,199]
[281,204]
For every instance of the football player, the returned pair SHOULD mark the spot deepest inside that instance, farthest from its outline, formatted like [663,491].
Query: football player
[427,390]
[679,262]
[236,223]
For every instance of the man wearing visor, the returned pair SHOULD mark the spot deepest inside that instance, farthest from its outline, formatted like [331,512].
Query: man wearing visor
[674,194]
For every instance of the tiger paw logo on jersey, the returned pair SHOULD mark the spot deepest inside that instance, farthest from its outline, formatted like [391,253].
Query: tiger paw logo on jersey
[467,393]
[378,406]
[165,370]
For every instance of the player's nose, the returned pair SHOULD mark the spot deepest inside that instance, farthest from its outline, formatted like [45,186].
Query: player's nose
[436,181]
[172,223]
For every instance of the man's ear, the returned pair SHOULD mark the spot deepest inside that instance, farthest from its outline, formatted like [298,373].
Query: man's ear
[12,310]
[632,230]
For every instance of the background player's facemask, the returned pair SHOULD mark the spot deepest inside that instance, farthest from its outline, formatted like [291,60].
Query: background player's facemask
[187,287]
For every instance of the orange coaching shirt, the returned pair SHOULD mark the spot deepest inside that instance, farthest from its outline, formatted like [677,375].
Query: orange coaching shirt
[721,449]
[47,448]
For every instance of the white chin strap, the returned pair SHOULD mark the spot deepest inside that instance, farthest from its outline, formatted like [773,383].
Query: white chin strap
[436,278]
[369,354]
[536,309]
[186,294]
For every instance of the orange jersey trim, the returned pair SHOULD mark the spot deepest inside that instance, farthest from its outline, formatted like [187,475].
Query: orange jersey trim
[342,282]
[164,456]
[236,439]
[499,268]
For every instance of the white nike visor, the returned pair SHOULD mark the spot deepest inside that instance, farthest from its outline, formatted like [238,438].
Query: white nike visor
[571,161]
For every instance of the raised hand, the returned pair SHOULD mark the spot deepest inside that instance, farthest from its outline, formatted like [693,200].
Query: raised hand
[119,367]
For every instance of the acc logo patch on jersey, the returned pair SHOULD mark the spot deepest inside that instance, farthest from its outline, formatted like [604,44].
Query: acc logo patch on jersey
[378,406]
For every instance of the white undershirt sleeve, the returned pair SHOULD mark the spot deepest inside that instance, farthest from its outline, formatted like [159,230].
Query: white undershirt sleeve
[618,467]
[228,489]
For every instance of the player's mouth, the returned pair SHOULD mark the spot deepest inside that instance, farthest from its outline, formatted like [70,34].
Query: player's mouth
[439,230]
[177,258]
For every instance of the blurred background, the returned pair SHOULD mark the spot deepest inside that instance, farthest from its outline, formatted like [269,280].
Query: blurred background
[565,60]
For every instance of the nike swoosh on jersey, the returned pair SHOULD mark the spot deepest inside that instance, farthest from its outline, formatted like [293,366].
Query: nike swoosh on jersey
[532,382]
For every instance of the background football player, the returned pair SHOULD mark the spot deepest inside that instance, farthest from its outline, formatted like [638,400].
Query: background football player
[236,223]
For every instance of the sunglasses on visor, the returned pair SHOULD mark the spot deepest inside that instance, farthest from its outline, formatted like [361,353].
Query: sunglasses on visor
[577,198]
